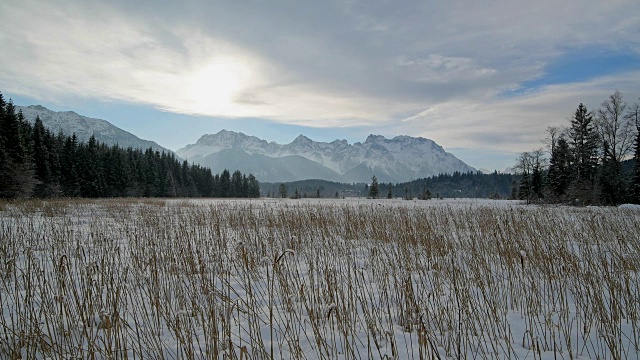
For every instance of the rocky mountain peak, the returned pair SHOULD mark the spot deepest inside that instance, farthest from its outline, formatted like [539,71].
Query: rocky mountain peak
[402,158]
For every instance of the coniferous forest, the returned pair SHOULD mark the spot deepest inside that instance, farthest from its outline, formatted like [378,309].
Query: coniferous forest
[593,160]
[34,162]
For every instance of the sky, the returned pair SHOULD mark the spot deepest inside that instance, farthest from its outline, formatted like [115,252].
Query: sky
[482,78]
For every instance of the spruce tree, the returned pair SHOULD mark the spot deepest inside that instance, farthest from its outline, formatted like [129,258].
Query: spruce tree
[374,191]
[283,190]
[524,188]
[559,168]
[40,159]
[584,149]
[225,183]
[514,190]
[236,184]
[635,184]
[69,167]
[254,187]
[536,181]
[609,188]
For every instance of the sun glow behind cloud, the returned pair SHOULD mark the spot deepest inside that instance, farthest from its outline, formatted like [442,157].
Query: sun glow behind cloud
[442,68]
[109,57]
[212,88]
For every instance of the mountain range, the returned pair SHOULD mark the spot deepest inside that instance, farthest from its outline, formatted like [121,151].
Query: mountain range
[70,122]
[400,159]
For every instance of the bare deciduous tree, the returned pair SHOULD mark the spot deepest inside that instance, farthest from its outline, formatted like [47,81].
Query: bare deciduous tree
[615,129]
[553,134]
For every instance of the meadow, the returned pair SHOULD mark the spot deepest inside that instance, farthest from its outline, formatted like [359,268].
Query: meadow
[317,279]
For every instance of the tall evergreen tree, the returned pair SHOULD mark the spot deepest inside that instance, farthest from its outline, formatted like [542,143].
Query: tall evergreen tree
[610,191]
[40,159]
[225,184]
[69,167]
[514,190]
[282,190]
[634,117]
[245,186]
[635,183]
[374,190]
[236,184]
[559,169]
[17,177]
[524,187]
[584,150]
[254,187]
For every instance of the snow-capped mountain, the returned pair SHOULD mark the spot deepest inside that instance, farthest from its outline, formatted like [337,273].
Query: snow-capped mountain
[70,122]
[400,159]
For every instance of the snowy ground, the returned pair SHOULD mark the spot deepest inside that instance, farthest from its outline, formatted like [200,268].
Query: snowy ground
[355,278]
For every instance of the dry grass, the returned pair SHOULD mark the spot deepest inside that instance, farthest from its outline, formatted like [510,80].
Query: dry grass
[240,279]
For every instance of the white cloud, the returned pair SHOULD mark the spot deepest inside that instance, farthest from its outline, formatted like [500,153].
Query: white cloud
[515,123]
[439,67]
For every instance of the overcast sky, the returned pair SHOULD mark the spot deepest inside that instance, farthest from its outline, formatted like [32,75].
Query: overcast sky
[481,78]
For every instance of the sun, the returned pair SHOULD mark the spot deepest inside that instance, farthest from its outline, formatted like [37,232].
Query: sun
[213,87]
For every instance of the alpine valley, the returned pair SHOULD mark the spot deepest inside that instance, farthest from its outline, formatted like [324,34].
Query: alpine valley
[400,159]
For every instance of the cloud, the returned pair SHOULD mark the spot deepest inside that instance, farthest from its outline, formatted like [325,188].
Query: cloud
[420,68]
[436,68]
[516,123]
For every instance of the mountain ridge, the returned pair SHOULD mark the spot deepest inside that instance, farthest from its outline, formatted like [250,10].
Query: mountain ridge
[70,122]
[401,158]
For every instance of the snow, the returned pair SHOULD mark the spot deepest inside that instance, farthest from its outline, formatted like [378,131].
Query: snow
[414,157]
[630,206]
[84,127]
[318,278]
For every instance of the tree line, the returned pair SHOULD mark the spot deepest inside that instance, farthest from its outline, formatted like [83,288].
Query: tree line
[34,162]
[456,185]
[593,160]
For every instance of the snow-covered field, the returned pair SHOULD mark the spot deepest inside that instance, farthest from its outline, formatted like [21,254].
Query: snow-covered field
[319,279]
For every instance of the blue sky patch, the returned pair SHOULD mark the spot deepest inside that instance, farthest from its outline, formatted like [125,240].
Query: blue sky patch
[579,65]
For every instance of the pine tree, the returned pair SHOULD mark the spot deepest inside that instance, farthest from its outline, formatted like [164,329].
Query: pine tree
[608,185]
[524,188]
[559,168]
[40,159]
[18,175]
[69,172]
[254,187]
[373,189]
[215,186]
[389,192]
[236,184]
[225,184]
[282,190]
[584,149]
[514,190]
[635,186]
[536,180]
[584,144]
[633,117]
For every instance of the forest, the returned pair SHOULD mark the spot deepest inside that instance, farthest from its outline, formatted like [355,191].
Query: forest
[457,185]
[593,161]
[34,162]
